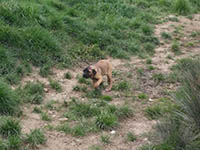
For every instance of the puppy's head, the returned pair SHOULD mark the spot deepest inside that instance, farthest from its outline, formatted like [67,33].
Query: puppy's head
[89,72]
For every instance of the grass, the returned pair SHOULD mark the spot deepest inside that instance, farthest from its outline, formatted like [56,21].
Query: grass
[122,86]
[158,77]
[45,116]
[36,137]
[55,85]
[182,7]
[106,120]
[68,75]
[166,35]
[149,61]
[106,98]
[37,110]
[32,92]
[62,33]
[160,108]
[45,70]
[131,137]
[176,47]
[142,96]
[82,80]
[92,116]
[9,127]
[9,100]
[183,121]
[80,88]
[105,139]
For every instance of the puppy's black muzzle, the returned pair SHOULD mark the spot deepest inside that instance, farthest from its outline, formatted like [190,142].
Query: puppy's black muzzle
[85,76]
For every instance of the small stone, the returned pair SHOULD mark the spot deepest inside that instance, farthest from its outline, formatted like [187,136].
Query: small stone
[46,90]
[113,132]
[63,119]
[151,100]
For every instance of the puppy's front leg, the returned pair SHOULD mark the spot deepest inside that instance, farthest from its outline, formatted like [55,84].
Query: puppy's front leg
[97,83]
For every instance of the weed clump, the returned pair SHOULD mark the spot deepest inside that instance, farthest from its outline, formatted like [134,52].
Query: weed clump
[35,138]
[32,92]
[9,100]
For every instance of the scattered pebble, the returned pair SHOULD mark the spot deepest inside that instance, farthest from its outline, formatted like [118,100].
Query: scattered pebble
[113,132]
[151,100]
[63,119]
[46,90]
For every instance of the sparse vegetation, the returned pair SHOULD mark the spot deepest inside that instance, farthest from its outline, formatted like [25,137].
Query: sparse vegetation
[131,137]
[105,139]
[176,47]
[35,138]
[158,77]
[142,96]
[45,116]
[55,85]
[32,92]
[68,75]
[166,35]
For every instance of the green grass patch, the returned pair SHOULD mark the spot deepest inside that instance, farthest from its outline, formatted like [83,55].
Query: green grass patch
[105,139]
[68,75]
[9,127]
[45,116]
[9,100]
[131,137]
[55,85]
[162,107]
[32,92]
[36,137]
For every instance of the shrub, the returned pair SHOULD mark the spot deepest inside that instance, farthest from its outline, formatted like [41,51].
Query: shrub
[182,7]
[9,101]
[180,130]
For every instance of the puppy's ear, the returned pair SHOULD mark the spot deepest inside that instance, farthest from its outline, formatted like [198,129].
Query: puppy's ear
[94,72]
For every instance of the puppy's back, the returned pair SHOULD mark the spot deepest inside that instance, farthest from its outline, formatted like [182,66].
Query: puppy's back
[105,66]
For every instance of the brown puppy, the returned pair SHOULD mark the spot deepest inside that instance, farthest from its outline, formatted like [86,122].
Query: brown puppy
[97,71]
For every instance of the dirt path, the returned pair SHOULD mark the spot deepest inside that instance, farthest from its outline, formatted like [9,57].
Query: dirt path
[162,60]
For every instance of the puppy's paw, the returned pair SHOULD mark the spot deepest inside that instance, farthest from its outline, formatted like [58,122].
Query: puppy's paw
[108,90]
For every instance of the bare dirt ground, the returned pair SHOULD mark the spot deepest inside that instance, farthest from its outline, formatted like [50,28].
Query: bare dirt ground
[162,60]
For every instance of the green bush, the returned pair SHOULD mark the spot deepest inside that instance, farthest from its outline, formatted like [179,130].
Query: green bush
[180,130]
[9,100]
[182,7]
